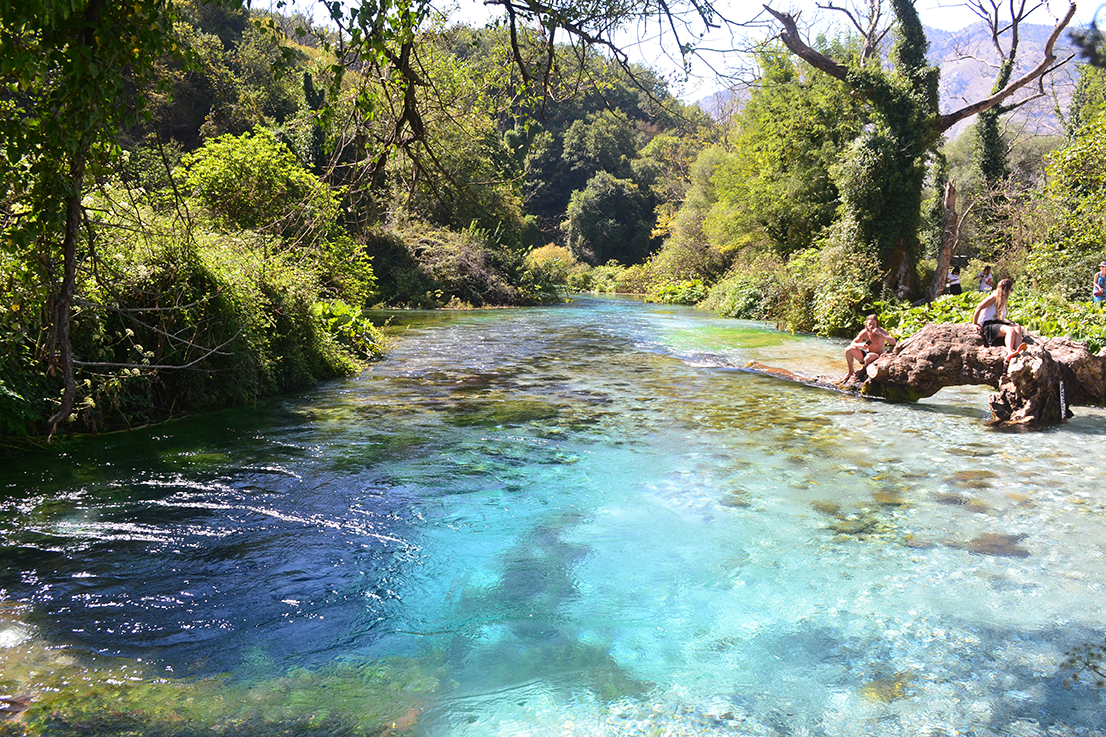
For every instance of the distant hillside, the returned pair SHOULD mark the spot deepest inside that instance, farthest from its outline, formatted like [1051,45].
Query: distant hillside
[967,60]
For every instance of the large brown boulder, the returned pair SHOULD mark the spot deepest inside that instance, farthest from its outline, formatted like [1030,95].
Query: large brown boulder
[1083,372]
[936,356]
[1035,387]
[1029,390]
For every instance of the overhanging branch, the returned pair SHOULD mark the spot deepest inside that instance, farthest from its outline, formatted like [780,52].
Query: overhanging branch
[945,122]
[794,42]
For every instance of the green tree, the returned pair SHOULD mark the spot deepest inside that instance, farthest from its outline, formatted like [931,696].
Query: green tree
[260,58]
[70,70]
[882,176]
[1069,255]
[1089,99]
[602,142]
[609,220]
[776,188]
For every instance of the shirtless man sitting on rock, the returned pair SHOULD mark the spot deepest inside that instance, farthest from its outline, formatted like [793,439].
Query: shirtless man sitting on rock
[866,347]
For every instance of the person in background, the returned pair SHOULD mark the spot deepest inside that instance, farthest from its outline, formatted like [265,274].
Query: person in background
[1098,293]
[990,315]
[986,282]
[953,283]
[866,347]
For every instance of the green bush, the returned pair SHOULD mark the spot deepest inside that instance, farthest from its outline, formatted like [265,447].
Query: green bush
[687,292]
[749,291]
[254,181]
[1049,315]
[824,290]
[634,279]
[842,274]
[904,320]
[549,271]
[346,270]
[25,385]
[351,328]
[149,168]
[175,324]
[606,279]
[1066,261]
[425,267]
[1066,264]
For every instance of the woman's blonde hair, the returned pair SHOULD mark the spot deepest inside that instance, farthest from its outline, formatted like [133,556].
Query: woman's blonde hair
[1002,293]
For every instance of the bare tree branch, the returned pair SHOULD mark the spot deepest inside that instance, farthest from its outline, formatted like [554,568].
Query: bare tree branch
[870,33]
[794,42]
[944,122]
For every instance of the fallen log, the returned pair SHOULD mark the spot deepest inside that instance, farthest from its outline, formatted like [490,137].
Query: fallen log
[1035,388]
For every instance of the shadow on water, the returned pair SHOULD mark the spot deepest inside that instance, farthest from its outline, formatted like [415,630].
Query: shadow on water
[518,633]
[194,542]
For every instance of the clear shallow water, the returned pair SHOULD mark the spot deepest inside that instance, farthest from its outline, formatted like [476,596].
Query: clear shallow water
[574,520]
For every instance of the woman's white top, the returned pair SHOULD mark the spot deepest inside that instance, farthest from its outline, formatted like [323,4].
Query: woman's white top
[989,313]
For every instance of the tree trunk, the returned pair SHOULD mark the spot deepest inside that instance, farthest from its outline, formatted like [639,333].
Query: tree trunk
[948,244]
[63,305]
[898,265]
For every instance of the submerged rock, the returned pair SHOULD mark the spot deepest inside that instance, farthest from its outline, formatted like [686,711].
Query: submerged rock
[959,500]
[1002,546]
[887,689]
[863,524]
[830,509]
[738,499]
[888,498]
[973,477]
[501,411]
[12,706]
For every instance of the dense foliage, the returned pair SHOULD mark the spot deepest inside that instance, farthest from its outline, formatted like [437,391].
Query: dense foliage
[214,223]
[225,195]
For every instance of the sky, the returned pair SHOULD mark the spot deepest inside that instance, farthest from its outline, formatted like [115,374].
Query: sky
[947,15]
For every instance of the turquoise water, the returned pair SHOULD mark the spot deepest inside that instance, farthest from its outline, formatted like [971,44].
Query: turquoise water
[581,520]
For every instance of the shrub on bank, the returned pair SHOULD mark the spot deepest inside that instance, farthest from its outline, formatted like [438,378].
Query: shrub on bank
[750,290]
[551,272]
[193,325]
[254,181]
[824,290]
[171,320]
[605,279]
[24,385]
[421,266]
[687,292]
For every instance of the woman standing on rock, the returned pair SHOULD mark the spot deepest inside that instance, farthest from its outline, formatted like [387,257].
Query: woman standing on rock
[990,315]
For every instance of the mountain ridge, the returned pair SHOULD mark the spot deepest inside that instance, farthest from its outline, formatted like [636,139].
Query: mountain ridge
[968,63]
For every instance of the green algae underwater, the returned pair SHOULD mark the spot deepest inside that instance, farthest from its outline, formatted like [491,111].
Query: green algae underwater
[580,520]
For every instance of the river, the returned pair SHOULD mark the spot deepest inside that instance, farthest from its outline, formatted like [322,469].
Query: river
[574,520]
